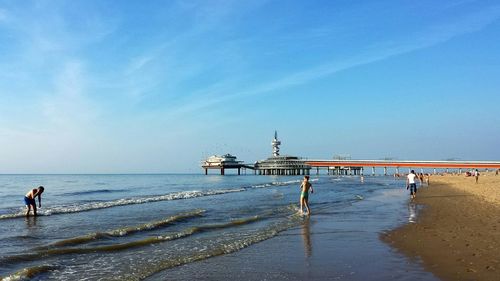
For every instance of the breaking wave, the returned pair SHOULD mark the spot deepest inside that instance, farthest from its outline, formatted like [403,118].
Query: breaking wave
[122,202]
[75,208]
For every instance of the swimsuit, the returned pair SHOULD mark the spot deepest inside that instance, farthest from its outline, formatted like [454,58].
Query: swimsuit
[29,201]
[304,194]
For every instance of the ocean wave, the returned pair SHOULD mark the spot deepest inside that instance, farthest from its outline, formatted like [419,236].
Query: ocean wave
[276,183]
[95,205]
[43,253]
[227,247]
[53,210]
[28,273]
[121,232]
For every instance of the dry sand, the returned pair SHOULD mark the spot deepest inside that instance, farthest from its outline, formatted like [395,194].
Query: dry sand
[457,235]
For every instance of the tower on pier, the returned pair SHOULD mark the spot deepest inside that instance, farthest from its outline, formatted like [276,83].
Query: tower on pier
[276,144]
[281,165]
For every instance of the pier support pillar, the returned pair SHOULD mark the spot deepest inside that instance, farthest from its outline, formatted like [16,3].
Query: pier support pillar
[361,171]
[222,171]
[239,172]
[373,171]
[385,171]
[397,171]
[206,172]
[317,170]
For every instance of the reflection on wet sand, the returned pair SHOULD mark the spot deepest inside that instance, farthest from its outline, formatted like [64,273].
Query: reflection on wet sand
[412,212]
[306,236]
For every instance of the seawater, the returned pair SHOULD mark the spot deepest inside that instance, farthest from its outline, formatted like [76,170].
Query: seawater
[117,227]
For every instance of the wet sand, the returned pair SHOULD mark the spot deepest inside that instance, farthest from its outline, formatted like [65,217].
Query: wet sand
[457,234]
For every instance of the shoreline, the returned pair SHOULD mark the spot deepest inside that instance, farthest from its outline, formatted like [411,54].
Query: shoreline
[456,235]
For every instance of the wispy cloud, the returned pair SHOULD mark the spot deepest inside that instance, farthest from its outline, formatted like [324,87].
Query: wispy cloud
[432,36]
[68,108]
[175,59]
[45,56]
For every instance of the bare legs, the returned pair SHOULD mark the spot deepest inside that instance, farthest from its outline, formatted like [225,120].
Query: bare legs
[28,209]
[304,202]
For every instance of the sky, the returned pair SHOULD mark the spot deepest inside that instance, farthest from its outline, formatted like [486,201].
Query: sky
[156,86]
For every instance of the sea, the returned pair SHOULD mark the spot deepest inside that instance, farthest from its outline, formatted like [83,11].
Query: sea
[191,226]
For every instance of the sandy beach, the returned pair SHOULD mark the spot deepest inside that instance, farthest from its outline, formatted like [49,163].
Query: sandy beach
[457,233]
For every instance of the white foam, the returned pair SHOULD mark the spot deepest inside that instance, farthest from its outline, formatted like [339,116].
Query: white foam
[64,209]
[125,201]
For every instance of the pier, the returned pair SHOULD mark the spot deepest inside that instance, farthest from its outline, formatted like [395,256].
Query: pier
[358,166]
[289,165]
[223,167]
[286,165]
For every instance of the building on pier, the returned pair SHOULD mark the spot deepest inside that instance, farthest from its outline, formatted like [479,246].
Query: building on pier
[281,165]
[226,161]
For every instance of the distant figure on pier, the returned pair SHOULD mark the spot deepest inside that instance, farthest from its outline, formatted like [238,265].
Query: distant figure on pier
[29,199]
[304,195]
[476,175]
[411,183]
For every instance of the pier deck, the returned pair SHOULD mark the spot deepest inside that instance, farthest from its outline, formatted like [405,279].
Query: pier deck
[361,164]
[224,167]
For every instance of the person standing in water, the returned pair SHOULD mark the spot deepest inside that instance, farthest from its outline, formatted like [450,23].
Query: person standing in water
[29,199]
[304,195]
[411,184]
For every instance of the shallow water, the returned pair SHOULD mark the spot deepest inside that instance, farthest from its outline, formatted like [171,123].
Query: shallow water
[145,226]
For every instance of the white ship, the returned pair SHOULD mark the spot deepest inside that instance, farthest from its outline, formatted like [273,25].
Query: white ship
[224,160]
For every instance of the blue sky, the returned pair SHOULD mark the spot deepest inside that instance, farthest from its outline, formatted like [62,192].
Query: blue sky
[155,86]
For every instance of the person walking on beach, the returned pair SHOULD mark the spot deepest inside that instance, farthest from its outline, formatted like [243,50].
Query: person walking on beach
[476,175]
[29,199]
[411,184]
[304,195]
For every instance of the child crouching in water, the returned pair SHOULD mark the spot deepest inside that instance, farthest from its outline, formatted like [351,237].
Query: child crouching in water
[304,195]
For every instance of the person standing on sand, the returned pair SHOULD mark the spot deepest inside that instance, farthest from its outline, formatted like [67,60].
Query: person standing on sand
[304,195]
[476,175]
[411,184]
[29,199]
